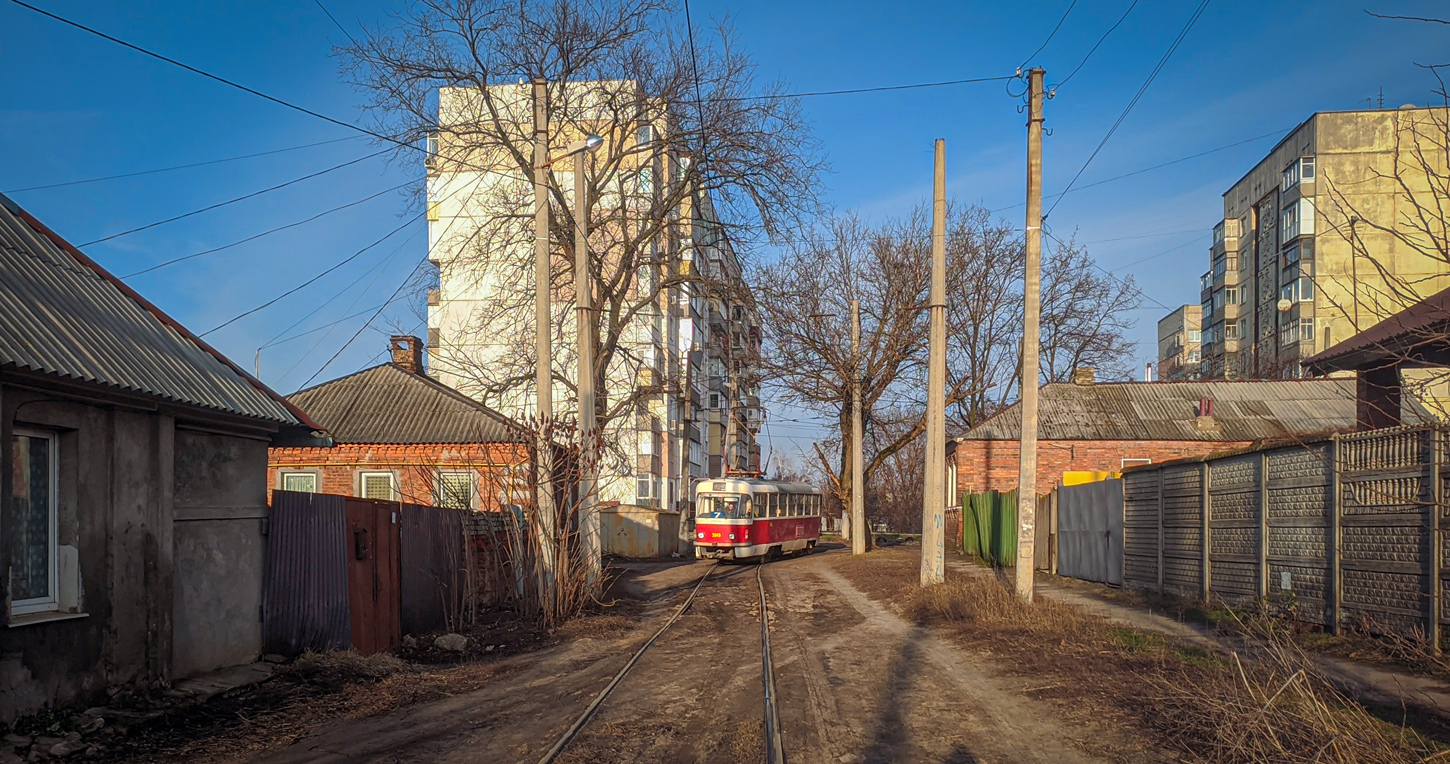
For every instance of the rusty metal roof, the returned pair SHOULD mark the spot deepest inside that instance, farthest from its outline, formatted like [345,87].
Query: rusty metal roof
[63,315]
[389,404]
[1242,411]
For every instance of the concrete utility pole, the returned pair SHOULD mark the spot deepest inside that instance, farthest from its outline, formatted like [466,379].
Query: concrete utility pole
[728,448]
[858,470]
[1027,448]
[543,373]
[584,328]
[933,495]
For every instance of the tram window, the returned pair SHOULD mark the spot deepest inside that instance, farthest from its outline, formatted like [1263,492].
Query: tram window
[722,507]
[794,504]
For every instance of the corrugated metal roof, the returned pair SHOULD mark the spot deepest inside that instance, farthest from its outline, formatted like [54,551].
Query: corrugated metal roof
[1395,338]
[389,404]
[1242,411]
[62,314]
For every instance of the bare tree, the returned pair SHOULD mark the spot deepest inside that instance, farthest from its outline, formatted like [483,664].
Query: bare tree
[697,158]
[805,297]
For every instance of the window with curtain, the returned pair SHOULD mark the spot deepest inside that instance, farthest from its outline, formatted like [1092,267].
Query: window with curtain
[31,516]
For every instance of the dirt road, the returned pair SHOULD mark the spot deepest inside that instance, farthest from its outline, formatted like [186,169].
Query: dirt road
[856,683]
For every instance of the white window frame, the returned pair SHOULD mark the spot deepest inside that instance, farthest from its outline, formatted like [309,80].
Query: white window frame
[51,602]
[362,484]
[1306,168]
[282,476]
[468,476]
[1135,462]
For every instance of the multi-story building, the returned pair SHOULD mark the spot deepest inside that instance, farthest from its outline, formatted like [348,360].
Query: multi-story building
[1178,344]
[688,355]
[1317,242]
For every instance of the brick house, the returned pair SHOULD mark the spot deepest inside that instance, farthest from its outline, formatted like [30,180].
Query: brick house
[1104,427]
[400,436]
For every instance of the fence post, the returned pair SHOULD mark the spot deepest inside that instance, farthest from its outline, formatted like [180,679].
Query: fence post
[1204,474]
[1264,524]
[1433,629]
[1335,512]
[1160,530]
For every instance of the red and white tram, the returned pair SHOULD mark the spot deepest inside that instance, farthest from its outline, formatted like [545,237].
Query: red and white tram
[745,518]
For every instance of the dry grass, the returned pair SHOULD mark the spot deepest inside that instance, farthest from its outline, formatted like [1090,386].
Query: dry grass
[1271,706]
[1274,706]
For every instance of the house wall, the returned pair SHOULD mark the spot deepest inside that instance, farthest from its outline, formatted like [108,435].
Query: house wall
[161,594]
[991,465]
[221,505]
[414,467]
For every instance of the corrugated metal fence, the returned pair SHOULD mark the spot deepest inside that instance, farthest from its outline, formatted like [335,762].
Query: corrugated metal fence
[1090,531]
[304,589]
[1346,527]
[449,562]
[989,526]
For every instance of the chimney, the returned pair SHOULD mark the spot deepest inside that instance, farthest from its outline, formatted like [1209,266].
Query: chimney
[1148,371]
[408,353]
[1084,377]
[1205,422]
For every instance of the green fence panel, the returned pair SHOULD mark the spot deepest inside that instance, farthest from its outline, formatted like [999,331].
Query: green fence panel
[989,527]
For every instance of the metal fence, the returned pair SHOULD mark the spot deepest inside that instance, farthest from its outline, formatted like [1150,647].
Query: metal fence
[1090,531]
[1346,528]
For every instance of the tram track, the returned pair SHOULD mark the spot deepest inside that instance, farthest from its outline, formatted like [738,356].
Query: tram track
[773,745]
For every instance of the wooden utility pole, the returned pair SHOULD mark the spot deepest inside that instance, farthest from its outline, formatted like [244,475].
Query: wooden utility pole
[543,372]
[933,495]
[584,329]
[858,471]
[1027,447]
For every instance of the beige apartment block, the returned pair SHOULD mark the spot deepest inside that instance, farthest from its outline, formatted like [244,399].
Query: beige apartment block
[1325,237]
[689,351]
[1179,336]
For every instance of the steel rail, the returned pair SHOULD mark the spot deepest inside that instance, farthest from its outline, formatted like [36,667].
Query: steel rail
[774,747]
[599,699]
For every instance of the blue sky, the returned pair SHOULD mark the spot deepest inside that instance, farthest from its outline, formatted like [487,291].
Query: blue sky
[75,106]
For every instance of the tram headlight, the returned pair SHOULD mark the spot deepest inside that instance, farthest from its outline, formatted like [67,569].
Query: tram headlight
[732,537]
[701,534]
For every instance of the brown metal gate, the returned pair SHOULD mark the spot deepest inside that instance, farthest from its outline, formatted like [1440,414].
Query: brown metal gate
[373,575]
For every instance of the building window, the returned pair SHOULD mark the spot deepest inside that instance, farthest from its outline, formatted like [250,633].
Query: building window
[31,517]
[377,485]
[1195,335]
[433,211]
[1231,331]
[1291,175]
[646,180]
[301,482]
[1136,462]
[1306,289]
[1231,295]
[455,490]
[1289,223]
[1291,255]
[1218,299]
[1194,356]
[646,135]
[647,489]
[1306,329]
[714,400]
[1306,169]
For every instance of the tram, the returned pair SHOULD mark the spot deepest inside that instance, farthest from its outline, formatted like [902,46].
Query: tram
[746,518]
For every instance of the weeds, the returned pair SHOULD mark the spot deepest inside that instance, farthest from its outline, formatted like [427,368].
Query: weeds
[1272,706]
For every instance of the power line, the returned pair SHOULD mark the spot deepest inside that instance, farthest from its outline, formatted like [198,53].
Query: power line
[358,333]
[1156,166]
[265,233]
[1100,41]
[1144,236]
[216,78]
[308,282]
[233,201]
[178,167]
[334,21]
[1193,19]
[1051,35]
[883,88]
[382,263]
[319,328]
[1194,240]
[1107,272]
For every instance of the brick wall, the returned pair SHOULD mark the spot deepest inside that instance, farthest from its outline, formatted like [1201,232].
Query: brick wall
[414,467]
[991,465]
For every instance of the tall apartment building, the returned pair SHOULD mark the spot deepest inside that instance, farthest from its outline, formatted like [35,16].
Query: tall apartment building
[1307,253]
[1178,344]
[688,356]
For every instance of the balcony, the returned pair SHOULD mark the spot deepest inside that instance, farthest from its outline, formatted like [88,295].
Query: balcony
[433,297]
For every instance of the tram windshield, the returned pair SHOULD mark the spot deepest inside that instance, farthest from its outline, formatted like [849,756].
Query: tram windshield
[718,507]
